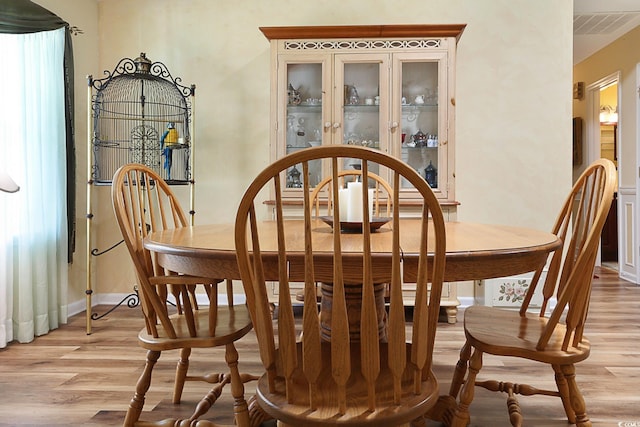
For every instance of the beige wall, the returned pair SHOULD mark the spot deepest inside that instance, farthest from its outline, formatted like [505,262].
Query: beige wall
[609,96]
[621,55]
[513,127]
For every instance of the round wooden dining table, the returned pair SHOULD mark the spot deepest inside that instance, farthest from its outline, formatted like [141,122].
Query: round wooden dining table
[474,251]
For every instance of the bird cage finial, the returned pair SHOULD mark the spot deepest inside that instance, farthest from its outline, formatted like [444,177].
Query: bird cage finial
[143,65]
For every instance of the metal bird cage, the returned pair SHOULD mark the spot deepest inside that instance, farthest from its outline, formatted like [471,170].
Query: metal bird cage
[140,114]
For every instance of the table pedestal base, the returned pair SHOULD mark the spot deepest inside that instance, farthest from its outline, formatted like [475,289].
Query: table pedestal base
[353,296]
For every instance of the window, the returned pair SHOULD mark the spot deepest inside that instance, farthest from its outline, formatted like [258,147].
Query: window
[33,221]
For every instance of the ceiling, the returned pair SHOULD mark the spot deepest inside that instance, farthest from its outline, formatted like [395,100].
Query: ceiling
[597,23]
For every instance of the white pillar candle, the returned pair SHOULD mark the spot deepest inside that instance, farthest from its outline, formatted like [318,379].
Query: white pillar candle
[370,204]
[343,201]
[354,211]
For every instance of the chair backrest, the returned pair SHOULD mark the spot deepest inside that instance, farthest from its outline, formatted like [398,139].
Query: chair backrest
[571,267]
[297,263]
[143,202]
[321,196]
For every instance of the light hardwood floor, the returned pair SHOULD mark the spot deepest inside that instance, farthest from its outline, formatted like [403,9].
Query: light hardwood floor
[68,378]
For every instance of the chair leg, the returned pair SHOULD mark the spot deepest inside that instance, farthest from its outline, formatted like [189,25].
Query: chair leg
[460,371]
[445,408]
[257,415]
[206,403]
[575,397]
[563,389]
[513,408]
[144,382]
[181,374]
[240,407]
[461,417]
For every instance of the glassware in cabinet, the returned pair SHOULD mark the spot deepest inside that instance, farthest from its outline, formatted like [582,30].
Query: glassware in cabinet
[303,116]
[419,80]
[362,108]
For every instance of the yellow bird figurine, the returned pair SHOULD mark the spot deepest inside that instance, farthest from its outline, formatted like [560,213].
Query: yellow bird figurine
[167,142]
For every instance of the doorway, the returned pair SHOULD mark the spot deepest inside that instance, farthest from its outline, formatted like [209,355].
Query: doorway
[608,119]
[602,141]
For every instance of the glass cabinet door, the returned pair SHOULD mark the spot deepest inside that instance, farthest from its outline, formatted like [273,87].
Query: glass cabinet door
[392,102]
[301,114]
[361,103]
[421,134]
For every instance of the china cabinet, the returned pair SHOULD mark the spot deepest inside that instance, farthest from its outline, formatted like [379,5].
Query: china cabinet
[389,87]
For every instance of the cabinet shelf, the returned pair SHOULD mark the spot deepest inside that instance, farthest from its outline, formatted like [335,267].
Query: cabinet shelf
[361,107]
[420,107]
[304,108]
[318,107]
[404,147]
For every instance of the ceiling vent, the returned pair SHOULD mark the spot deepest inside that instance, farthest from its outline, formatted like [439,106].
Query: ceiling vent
[601,23]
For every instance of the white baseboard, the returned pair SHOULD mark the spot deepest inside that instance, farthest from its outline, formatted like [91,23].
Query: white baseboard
[76,307]
[113,299]
[466,301]
[629,277]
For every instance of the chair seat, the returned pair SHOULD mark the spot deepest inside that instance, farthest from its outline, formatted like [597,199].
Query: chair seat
[518,336]
[233,323]
[387,413]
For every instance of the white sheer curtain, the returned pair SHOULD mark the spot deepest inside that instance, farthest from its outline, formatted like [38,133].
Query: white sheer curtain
[33,221]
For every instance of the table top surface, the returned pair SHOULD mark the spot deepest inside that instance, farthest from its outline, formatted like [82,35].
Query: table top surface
[474,250]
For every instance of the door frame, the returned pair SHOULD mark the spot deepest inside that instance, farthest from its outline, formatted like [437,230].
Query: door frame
[593,135]
[635,234]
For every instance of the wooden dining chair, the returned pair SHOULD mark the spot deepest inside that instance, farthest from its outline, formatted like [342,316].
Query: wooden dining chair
[144,203]
[350,363]
[555,335]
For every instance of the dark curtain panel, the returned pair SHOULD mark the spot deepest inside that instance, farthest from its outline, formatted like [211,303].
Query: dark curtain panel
[24,16]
